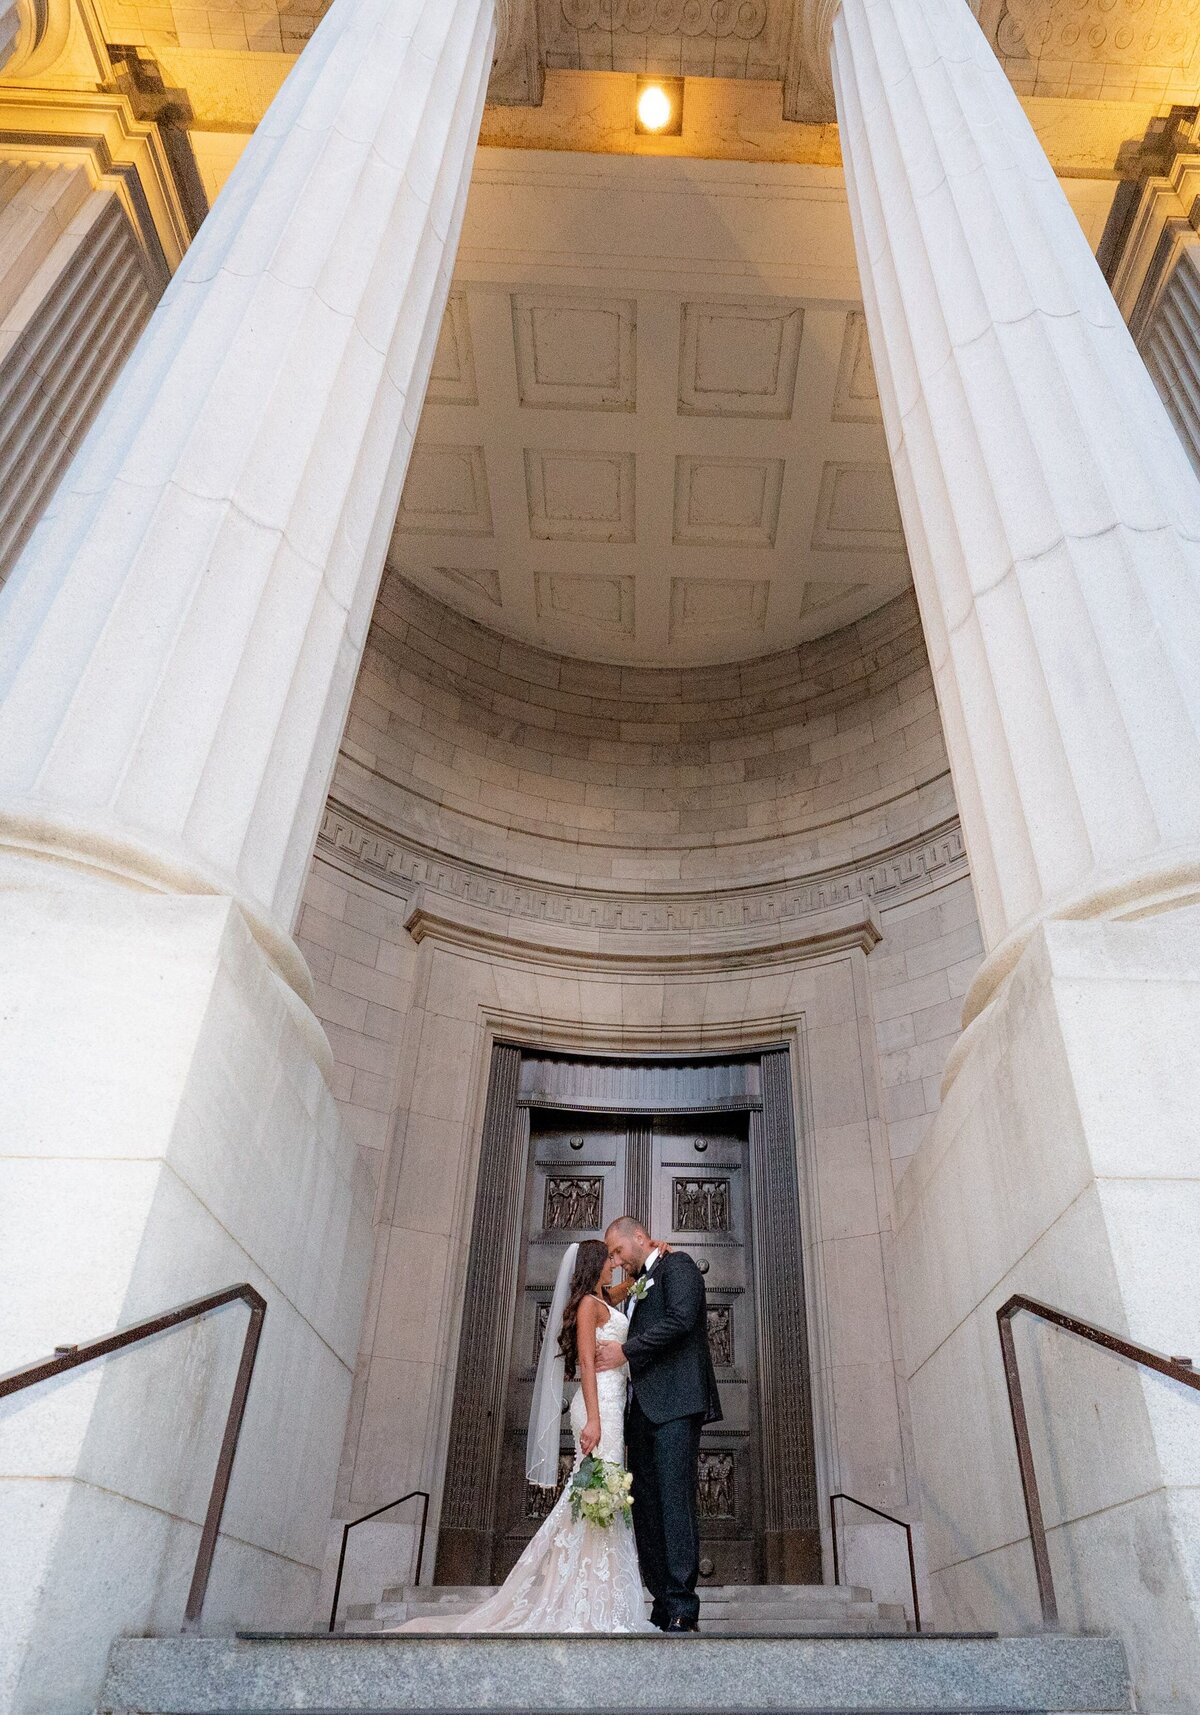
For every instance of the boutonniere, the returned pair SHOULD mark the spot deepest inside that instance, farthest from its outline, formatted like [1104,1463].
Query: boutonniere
[641,1287]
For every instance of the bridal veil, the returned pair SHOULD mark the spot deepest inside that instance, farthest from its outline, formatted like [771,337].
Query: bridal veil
[545,1417]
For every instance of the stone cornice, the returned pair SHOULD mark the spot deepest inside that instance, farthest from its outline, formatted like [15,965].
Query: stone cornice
[98,130]
[456,900]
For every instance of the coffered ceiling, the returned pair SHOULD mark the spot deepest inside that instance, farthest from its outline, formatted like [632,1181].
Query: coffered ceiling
[671,454]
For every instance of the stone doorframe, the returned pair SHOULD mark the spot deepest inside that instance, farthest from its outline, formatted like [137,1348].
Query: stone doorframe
[796,1538]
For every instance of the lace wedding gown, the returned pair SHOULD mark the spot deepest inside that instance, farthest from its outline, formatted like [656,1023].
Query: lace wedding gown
[573,1576]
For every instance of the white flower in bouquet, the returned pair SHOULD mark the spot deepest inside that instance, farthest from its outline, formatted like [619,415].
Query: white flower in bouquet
[599,1491]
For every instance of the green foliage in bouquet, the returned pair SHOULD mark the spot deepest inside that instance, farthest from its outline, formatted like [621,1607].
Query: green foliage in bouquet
[600,1491]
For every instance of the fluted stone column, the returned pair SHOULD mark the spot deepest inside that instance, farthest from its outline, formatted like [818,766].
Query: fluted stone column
[178,643]
[1170,344]
[12,17]
[75,292]
[1052,519]
[1053,522]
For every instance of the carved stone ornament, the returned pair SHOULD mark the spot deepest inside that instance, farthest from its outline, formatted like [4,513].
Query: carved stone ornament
[742,19]
[351,841]
[1121,32]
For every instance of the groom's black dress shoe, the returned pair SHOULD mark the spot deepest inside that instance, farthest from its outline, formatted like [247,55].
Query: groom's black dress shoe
[678,1625]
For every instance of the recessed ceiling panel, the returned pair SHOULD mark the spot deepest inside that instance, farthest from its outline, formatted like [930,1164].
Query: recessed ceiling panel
[580,496]
[452,379]
[739,360]
[856,399]
[721,501]
[653,434]
[446,492]
[857,508]
[579,356]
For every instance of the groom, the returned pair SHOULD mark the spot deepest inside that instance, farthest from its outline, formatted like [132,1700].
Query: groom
[673,1393]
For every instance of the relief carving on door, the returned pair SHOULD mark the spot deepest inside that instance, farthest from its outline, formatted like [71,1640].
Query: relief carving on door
[701,1205]
[715,1487]
[720,1333]
[573,1203]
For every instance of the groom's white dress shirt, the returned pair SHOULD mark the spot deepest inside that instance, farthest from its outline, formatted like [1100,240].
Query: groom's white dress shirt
[646,1267]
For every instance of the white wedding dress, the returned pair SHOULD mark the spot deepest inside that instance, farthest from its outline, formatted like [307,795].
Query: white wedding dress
[572,1576]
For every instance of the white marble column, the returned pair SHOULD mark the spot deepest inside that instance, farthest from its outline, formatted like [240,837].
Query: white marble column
[1053,521]
[1052,518]
[180,638]
[178,643]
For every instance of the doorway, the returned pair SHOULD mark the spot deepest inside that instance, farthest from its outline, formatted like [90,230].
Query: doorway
[703,1152]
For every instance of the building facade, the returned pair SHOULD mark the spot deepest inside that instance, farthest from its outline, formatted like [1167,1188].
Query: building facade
[548,668]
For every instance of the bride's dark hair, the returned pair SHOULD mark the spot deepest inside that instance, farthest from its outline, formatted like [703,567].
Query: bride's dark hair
[589,1266]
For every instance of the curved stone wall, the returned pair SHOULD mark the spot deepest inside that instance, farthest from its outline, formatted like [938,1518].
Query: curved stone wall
[579,774]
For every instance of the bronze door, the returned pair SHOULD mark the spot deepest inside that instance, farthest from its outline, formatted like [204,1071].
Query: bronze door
[575,1186]
[704,1153]
[583,1171]
[701,1204]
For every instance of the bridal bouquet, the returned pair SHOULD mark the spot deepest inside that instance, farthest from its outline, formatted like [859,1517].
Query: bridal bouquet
[599,1491]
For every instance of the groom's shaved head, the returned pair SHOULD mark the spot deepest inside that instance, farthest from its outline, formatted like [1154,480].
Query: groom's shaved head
[625,1227]
[628,1242]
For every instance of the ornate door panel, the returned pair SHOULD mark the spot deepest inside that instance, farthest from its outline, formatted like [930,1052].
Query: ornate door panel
[702,1205]
[575,1187]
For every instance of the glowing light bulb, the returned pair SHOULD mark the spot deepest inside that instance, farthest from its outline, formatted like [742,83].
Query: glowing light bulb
[654,107]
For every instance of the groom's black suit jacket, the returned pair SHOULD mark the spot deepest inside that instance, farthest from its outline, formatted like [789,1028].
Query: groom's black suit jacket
[670,1367]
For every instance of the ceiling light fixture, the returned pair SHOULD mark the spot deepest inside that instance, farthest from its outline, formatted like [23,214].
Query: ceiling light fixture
[659,110]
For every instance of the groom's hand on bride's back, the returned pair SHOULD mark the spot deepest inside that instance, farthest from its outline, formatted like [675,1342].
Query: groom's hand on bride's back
[609,1356]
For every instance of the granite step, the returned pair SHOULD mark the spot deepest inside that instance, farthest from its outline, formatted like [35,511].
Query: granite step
[902,1675]
[767,1609]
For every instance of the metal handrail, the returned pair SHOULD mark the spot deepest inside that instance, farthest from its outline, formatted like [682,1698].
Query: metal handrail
[413,1494]
[70,1357]
[892,1519]
[1179,1369]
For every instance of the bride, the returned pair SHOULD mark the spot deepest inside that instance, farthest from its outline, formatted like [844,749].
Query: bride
[573,1576]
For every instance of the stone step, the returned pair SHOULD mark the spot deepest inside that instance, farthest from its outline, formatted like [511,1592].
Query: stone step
[711,1595]
[263,1675]
[765,1609]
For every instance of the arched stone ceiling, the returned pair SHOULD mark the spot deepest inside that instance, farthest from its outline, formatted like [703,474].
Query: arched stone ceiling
[653,433]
